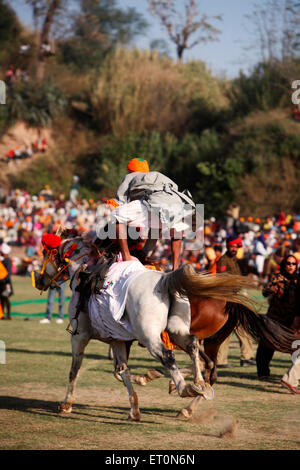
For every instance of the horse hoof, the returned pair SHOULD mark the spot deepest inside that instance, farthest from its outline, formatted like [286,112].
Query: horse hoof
[142,380]
[209,393]
[118,377]
[172,388]
[183,414]
[65,408]
[154,374]
[198,389]
[134,417]
[206,391]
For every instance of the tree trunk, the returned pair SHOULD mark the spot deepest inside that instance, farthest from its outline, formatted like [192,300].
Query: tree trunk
[180,50]
[44,38]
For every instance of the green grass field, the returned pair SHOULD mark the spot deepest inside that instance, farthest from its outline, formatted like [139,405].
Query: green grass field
[33,381]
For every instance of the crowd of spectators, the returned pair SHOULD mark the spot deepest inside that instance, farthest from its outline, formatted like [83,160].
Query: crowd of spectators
[24,219]
[265,243]
[19,153]
[15,74]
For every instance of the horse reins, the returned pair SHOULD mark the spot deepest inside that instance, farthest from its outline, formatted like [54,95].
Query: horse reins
[50,257]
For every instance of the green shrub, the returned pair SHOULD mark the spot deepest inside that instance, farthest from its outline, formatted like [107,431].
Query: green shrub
[47,170]
[263,89]
[142,92]
[35,103]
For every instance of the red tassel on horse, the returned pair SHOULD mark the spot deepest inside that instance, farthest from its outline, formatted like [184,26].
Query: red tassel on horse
[50,241]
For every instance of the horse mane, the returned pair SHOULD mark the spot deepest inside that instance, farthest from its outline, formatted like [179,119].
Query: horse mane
[72,236]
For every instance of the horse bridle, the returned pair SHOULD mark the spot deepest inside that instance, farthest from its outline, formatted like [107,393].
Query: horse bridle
[59,264]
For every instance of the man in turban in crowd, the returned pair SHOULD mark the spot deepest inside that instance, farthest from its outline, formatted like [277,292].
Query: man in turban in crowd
[228,263]
[150,201]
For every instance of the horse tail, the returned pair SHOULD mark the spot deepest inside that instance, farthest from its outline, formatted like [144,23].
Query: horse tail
[263,329]
[185,281]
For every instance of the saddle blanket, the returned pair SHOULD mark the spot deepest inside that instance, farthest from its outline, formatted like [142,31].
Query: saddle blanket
[107,308]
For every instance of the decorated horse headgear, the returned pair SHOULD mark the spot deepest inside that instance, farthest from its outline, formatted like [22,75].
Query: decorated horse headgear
[51,243]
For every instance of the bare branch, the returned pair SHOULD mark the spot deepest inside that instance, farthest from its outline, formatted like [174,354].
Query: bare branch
[179,28]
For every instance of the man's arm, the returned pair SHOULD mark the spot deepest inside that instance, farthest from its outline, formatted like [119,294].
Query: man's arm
[122,194]
[221,265]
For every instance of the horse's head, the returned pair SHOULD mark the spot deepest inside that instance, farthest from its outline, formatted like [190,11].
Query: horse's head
[61,257]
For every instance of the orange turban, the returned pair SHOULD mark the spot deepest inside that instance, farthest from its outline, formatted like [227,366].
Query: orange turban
[138,164]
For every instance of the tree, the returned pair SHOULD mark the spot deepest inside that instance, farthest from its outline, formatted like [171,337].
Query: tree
[275,25]
[44,14]
[161,46]
[181,28]
[9,24]
[96,28]
[265,192]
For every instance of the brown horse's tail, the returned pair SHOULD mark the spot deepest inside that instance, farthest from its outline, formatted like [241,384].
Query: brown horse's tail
[185,281]
[263,329]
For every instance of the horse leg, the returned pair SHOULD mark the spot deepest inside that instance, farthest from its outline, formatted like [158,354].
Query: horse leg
[185,372]
[144,379]
[120,353]
[208,365]
[188,411]
[167,358]
[188,371]
[178,328]
[110,353]
[189,343]
[79,343]
[213,343]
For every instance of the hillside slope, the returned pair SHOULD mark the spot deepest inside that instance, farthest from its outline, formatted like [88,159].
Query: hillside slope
[20,136]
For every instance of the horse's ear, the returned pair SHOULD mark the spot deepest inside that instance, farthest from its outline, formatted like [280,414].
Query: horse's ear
[87,236]
[60,230]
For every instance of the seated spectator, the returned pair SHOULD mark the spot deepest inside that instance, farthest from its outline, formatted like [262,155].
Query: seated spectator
[18,152]
[11,155]
[44,145]
[10,75]
[35,146]
[47,193]
[296,114]
[29,152]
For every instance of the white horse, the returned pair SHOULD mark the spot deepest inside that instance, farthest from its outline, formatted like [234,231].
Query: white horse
[152,306]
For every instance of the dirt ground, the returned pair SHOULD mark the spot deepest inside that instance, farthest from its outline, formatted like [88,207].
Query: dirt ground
[245,413]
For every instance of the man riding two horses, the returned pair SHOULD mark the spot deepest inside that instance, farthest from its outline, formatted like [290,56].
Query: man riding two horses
[149,201]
